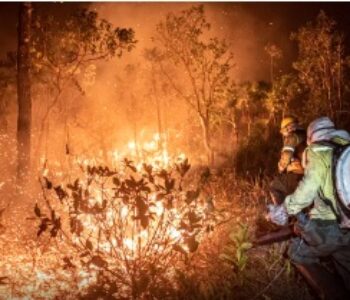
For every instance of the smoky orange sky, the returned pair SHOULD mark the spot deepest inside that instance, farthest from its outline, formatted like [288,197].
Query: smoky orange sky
[106,104]
[242,30]
[247,26]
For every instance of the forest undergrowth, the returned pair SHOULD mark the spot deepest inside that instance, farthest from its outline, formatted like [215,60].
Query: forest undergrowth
[225,265]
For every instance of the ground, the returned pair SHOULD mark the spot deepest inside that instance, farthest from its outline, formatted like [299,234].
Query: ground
[223,267]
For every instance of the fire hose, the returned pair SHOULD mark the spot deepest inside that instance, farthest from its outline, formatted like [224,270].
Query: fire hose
[321,281]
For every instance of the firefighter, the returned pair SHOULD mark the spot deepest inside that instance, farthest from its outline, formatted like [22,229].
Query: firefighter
[290,164]
[320,234]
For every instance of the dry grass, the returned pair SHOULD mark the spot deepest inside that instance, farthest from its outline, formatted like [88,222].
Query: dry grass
[267,275]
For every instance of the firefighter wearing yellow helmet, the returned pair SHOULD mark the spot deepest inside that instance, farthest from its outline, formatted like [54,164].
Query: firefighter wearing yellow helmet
[290,163]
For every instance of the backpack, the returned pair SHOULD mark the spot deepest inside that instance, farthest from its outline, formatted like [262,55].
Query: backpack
[341,182]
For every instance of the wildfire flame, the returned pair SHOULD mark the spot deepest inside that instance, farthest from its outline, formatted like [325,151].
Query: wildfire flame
[131,240]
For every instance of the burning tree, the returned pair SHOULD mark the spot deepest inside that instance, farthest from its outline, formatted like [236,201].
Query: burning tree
[127,228]
[63,50]
[202,61]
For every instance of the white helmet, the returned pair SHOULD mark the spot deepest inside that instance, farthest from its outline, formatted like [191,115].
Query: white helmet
[319,128]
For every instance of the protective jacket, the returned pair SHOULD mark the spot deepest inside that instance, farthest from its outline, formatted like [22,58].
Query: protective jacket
[294,145]
[321,235]
[317,186]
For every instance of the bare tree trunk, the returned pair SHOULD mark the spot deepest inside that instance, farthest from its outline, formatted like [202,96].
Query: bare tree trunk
[206,140]
[159,120]
[339,81]
[24,92]
[134,126]
[233,133]
[3,120]
[249,123]
[166,125]
[271,70]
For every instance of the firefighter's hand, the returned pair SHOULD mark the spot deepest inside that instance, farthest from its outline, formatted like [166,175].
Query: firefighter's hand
[281,168]
[277,214]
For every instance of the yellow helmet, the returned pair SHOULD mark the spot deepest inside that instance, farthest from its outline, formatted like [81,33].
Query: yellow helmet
[288,121]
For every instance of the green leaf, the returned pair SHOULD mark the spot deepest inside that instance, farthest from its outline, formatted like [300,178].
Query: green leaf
[246,246]
[238,255]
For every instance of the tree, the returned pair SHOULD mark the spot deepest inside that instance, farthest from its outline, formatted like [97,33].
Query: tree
[321,65]
[130,92]
[63,48]
[286,97]
[8,72]
[274,53]
[153,57]
[202,64]
[24,119]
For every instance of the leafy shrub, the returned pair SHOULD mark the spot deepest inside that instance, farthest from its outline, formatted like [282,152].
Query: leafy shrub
[127,228]
[235,253]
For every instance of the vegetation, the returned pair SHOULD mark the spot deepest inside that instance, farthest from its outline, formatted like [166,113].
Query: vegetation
[129,226]
[118,212]
[205,62]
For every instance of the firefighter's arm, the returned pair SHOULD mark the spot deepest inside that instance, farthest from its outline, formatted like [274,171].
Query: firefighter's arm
[286,158]
[308,187]
[287,153]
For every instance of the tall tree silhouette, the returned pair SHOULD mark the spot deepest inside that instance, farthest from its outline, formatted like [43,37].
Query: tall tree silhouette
[24,91]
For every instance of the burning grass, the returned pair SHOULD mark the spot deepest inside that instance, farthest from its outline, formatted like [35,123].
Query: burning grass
[128,227]
[145,231]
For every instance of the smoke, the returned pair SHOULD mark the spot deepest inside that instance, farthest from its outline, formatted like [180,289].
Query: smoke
[126,100]
[248,29]
[108,113]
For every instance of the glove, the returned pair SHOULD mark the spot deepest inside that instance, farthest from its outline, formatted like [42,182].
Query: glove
[302,218]
[277,214]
